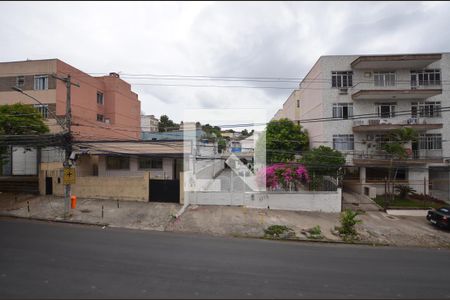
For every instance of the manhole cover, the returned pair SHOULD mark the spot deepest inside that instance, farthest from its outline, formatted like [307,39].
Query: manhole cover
[85,211]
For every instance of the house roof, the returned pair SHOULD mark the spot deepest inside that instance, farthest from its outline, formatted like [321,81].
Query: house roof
[153,148]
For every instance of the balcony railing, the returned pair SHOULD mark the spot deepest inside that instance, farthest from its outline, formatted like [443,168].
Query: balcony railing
[388,124]
[381,157]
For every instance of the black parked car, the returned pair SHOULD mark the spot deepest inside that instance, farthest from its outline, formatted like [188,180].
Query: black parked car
[440,217]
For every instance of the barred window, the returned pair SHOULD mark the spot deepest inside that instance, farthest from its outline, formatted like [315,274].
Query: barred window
[426,109]
[384,78]
[100,118]
[341,79]
[41,82]
[100,98]
[431,141]
[20,81]
[342,110]
[117,163]
[42,109]
[343,142]
[150,163]
[386,110]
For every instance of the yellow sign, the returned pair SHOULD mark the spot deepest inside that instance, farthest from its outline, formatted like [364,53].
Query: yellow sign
[70,176]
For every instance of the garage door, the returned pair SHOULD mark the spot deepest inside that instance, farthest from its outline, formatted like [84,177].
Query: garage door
[24,161]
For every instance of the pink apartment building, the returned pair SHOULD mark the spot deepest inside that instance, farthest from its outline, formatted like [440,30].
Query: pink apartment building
[103,107]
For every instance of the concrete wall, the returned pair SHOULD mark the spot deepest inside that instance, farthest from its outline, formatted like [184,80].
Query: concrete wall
[296,201]
[116,188]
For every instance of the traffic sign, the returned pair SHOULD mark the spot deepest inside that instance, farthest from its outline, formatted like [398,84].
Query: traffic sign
[70,175]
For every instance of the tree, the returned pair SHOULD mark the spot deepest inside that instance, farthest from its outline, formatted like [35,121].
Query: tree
[166,124]
[323,161]
[282,140]
[320,162]
[19,119]
[397,151]
[212,132]
[16,119]
[221,145]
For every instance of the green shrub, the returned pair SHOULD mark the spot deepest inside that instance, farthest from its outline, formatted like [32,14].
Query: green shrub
[404,191]
[348,221]
[276,230]
[316,230]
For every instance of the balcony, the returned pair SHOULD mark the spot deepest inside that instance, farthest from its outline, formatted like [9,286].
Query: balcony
[415,93]
[381,158]
[394,62]
[381,125]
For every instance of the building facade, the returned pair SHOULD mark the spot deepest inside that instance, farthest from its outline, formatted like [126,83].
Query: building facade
[102,108]
[364,98]
[149,123]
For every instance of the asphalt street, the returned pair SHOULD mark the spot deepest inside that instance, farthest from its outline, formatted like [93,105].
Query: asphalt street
[43,260]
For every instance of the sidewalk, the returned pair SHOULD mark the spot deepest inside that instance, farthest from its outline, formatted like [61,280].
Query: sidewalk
[377,227]
[130,214]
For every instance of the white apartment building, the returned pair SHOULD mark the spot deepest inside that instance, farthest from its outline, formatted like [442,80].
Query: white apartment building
[149,123]
[362,99]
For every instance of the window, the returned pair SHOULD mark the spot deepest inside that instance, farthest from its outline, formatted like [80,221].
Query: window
[100,98]
[150,163]
[430,141]
[117,163]
[381,140]
[342,110]
[343,142]
[42,109]
[20,81]
[386,110]
[298,103]
[384,78]
[426,109]
[41,82]
[425,78]
[341,79]
[100,118]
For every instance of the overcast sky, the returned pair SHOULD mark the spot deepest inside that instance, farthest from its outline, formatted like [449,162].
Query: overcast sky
[236,39]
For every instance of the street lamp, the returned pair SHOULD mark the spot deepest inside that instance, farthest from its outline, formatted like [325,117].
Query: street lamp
[15,88]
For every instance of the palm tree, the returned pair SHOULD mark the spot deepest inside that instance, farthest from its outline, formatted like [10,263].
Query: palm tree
[396,148]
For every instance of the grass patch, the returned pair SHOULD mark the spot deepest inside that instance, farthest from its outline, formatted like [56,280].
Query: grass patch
[407,203]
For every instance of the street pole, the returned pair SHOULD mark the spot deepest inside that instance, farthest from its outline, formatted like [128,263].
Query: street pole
[68,146]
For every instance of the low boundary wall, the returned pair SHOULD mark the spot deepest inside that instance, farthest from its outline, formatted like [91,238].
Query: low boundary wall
[295,201]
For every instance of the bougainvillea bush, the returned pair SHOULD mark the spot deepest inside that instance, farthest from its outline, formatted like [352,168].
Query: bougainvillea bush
[283,176]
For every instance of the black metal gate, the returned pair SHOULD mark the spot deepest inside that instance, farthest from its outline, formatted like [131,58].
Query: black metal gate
[164,191]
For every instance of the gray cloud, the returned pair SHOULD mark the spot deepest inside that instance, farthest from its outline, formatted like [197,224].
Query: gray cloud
[264,39]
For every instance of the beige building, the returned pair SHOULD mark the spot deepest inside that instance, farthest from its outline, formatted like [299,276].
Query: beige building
[149,123]
[362,99]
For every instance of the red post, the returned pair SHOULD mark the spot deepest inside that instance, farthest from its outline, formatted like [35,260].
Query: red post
[73,201]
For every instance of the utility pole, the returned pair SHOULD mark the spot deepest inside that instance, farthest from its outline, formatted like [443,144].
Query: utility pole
[68,144]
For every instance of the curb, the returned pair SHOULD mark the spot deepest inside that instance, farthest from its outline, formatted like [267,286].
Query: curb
[324,242]
[55,220]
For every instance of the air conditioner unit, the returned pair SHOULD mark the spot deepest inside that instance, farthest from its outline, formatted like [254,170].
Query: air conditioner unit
[343,91]
[412,121]
[384,121]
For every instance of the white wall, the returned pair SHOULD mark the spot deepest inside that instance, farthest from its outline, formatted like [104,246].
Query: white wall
[295,201]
